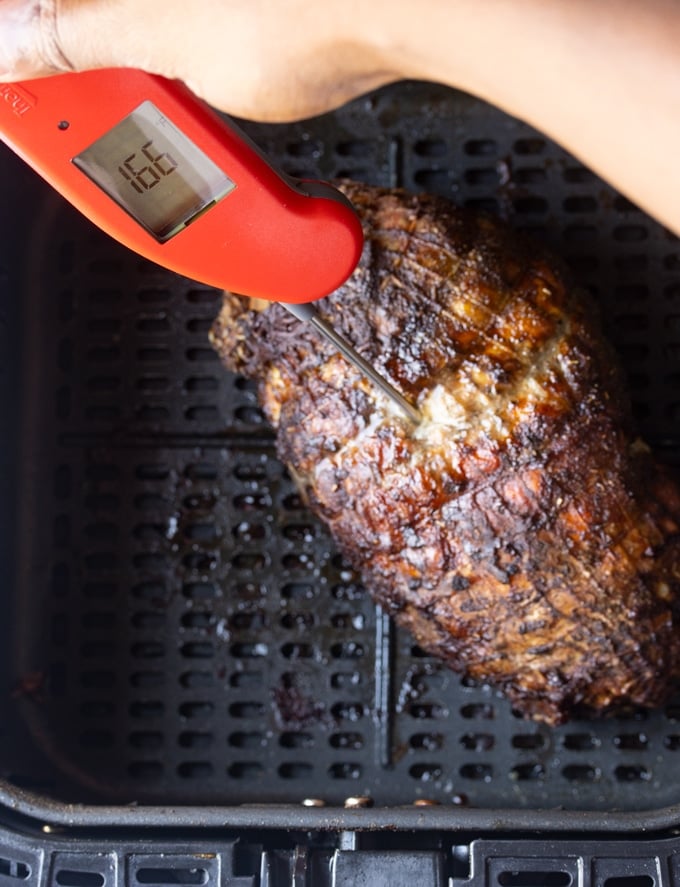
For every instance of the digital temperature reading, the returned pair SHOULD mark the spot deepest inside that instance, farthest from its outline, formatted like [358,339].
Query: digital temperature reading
[154,172]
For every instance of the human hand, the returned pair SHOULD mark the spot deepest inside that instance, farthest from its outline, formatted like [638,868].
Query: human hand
[602,79]
[266,60]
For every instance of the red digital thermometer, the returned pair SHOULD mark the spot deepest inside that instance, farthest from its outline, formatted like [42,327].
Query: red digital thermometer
[162,173]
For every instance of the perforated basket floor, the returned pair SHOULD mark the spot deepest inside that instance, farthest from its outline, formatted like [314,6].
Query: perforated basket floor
[178,629]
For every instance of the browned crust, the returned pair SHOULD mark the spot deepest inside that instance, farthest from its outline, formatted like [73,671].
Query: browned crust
[520,533]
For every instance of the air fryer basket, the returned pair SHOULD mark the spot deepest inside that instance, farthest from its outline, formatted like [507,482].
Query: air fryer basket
[178,629]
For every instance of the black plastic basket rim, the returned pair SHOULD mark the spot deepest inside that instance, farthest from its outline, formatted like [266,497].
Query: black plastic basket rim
[47,812]
[40,811]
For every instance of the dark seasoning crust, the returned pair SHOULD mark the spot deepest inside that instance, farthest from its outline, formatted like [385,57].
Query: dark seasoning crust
[521,533]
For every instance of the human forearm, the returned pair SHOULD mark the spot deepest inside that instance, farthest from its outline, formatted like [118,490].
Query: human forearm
[601,78]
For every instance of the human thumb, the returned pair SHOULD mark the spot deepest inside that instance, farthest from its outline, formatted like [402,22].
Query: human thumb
[29,41]
[42,37]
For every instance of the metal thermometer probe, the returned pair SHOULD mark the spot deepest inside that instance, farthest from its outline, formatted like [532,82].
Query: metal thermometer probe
[306,312]
[156,168]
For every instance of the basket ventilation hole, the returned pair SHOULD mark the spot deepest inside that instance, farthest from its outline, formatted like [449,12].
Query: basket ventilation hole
[354,148]
[426,772]
[431,148]
[295,770]
[298,740]
[581,773]
[433,179]
[245,770]
[529,146]
[345,770]
[528,741]
[195,770]
[171,876]
[145,770]
[534,879]
[305,148]
[428,741]
[479,772]
[248,740]
[527,772]
[480,147]
[71,878]
[12,869]
[632,773]
[478,741]
[630,881]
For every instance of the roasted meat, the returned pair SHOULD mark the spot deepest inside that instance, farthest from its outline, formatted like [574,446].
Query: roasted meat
[521,532]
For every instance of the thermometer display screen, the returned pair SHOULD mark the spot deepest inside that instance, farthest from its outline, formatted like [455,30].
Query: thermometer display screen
[154,172]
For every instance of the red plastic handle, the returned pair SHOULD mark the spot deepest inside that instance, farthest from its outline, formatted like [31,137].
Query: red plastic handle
[271,237]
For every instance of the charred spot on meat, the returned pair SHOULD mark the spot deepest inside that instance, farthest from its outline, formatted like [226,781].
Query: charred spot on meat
[521,532]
